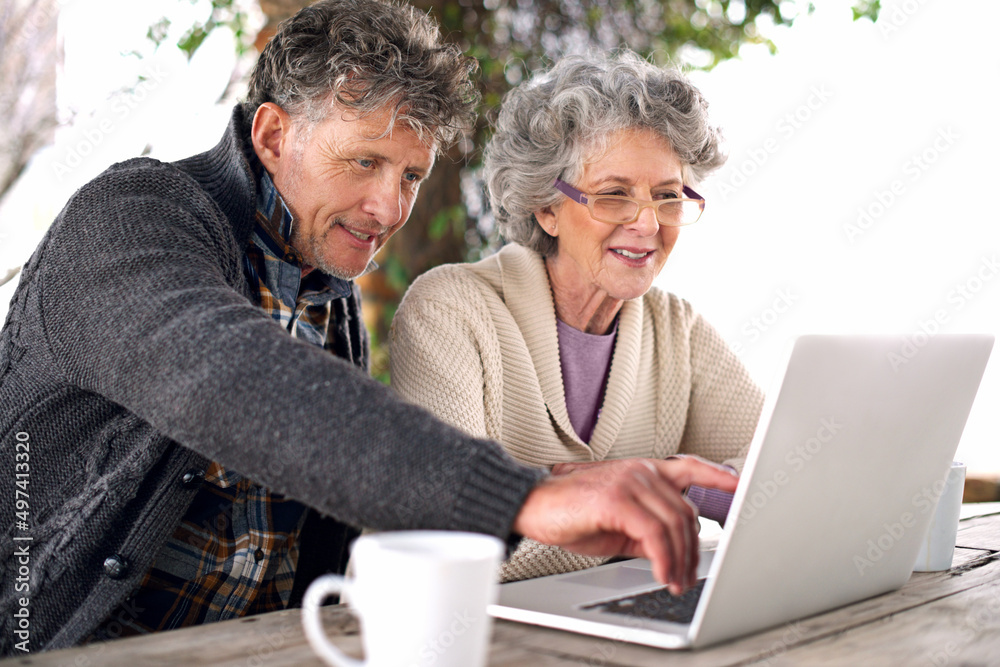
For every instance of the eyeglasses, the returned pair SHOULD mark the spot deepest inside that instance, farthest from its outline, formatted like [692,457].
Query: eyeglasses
[619,210]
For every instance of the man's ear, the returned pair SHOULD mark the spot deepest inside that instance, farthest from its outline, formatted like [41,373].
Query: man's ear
[270,134]
[547,219]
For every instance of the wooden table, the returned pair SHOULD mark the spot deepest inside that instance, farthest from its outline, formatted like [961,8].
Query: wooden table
[936,619]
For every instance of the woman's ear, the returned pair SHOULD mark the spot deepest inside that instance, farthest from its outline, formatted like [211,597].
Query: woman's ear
[269,134]
[547,220]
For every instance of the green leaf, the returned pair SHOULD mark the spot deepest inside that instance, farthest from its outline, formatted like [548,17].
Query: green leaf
[193,38]
[396,274]
[158,31]
[867,9]
[452,218]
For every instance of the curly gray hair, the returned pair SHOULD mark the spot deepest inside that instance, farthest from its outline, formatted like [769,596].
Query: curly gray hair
[366,56]
[548,126]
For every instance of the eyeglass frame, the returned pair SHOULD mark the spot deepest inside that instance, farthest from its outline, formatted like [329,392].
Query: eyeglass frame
[581,197]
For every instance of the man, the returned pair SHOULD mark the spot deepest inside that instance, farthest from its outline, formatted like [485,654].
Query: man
[182,390]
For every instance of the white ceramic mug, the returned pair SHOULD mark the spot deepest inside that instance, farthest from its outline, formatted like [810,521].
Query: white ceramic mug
[421,598]
[938,547]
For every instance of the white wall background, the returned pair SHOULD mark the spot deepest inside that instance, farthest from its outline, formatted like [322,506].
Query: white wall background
[860,191]
[897,120]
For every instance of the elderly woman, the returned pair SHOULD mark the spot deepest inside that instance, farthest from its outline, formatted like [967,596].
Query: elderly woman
[559,346]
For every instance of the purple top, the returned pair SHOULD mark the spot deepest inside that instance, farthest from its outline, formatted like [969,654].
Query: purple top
[586,361]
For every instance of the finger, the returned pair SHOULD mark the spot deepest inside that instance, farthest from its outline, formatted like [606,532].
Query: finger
[694,547]
[683,472]
[664,501]
[667,503]
[688,515]
[649,535]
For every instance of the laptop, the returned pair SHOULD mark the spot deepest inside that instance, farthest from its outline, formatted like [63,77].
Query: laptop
[835,498]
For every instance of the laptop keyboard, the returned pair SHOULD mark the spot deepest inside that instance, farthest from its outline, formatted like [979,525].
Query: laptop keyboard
[657,604]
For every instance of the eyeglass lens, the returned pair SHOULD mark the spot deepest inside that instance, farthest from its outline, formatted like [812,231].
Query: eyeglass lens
[670,212]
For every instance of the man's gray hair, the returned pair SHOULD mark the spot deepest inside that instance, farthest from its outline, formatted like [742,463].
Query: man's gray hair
[366,56]
[550,124]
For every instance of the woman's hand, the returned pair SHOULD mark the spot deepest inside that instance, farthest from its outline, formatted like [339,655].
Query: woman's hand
[631,507]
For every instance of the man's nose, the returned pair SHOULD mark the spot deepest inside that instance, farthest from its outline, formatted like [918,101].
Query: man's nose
[384,201]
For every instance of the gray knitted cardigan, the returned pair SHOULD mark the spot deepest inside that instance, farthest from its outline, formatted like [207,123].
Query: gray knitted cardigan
[131,357]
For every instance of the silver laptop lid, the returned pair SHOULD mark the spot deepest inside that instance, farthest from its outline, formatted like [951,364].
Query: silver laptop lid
[842,477]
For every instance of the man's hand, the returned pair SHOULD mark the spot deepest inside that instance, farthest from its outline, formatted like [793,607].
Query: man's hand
[630,507]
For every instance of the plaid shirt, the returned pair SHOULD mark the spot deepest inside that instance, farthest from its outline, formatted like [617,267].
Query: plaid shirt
[235,551]
[274,270]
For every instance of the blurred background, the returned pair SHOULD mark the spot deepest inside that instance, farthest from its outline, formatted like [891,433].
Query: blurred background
[862,137]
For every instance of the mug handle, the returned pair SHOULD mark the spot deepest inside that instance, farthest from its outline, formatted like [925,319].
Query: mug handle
[319,590]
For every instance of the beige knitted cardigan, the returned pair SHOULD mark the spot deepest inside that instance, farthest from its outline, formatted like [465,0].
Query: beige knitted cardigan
[476,344]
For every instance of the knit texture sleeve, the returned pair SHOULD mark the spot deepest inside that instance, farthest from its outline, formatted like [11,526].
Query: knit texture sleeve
[725,402]
[139,286]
